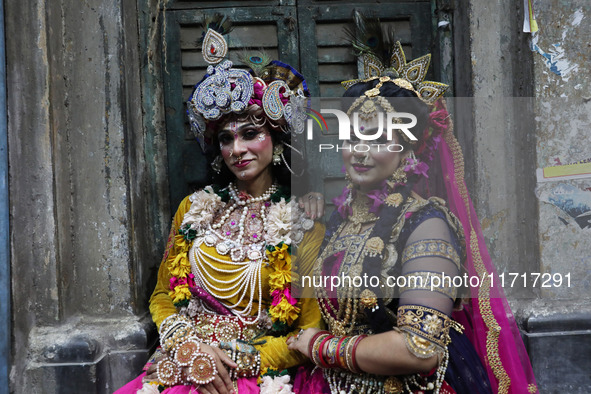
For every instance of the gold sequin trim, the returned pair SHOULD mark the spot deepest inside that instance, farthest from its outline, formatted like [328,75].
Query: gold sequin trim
[426,329]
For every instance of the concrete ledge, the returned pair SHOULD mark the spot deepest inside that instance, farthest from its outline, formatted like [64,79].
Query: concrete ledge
[559,346]
[90,355]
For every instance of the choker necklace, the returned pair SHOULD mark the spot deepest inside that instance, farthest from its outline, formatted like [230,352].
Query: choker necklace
[361,214]
[244,202]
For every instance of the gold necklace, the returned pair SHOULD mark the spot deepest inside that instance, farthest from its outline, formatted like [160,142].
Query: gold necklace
[361,215]
[339,325]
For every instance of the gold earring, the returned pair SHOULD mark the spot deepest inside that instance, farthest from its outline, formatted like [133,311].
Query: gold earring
[277,152]
[399,176]
[216,165]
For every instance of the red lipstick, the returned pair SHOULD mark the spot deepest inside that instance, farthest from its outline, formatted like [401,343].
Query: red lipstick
[242,163]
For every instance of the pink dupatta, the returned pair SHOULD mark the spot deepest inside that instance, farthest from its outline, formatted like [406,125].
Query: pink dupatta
[494,332]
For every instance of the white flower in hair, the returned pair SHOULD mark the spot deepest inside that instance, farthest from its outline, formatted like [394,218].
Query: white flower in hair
[279,223]
[276,385]
[204,205]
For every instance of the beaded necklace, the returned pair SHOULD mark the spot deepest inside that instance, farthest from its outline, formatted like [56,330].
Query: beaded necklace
[341,321]
[246,255]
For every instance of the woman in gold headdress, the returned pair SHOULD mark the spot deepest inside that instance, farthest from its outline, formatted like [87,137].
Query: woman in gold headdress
[386,278]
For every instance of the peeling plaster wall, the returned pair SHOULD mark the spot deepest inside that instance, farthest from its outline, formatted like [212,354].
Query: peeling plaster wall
[83,182]
[561,316]
[500,153]
[562,53]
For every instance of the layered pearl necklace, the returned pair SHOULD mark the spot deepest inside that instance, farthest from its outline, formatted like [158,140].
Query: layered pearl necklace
[246,255]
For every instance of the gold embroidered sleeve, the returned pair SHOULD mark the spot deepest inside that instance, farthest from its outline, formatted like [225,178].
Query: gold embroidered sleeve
[426,330]
[161,305]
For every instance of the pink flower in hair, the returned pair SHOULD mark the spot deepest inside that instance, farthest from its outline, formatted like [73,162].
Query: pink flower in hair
[416,167]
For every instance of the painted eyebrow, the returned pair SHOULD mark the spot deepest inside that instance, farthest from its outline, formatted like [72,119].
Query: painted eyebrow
[244,126]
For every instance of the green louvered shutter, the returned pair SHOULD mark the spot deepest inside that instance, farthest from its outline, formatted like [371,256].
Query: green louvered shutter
[305,34]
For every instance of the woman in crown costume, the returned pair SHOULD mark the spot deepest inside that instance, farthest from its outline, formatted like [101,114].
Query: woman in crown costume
[420,334]
[223,303]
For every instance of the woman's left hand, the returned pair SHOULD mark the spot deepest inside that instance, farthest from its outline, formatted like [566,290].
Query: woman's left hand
[301,341]
[313,204]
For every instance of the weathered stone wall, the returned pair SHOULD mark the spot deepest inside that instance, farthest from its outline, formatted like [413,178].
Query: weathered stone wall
[89,196]
[531,105]
[81,195]
[561,322]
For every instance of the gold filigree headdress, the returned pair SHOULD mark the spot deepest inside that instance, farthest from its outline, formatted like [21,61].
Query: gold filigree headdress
[382,60]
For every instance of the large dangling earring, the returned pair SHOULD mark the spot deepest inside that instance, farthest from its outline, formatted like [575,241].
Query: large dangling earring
[399,176]
[349,198]
[277,152]
[216,165]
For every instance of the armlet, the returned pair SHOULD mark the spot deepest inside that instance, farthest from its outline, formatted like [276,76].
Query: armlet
[430,248]
[426,330]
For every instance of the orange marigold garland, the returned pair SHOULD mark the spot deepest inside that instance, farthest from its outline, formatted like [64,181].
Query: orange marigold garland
[284,310]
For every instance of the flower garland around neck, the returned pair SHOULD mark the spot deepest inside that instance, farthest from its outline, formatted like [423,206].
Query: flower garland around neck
[279,238]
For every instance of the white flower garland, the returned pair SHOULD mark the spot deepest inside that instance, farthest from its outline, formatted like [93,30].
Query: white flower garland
[204,204]
[276,385]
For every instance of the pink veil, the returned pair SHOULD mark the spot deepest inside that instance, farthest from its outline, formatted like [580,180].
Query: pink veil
[487,318]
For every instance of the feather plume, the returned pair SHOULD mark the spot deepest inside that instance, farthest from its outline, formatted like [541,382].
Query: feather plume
[218,22]
[368,37]
[256,60]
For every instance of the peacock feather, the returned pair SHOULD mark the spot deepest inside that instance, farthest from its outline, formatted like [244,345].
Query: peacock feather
[218,22]
[256,60]
[368,37]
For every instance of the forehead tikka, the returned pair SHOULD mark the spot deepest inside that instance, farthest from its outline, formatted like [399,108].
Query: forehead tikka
[234,128]
[368,108]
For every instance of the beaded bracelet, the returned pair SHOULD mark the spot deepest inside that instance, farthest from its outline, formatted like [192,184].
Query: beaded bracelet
[178,337]
[249,364]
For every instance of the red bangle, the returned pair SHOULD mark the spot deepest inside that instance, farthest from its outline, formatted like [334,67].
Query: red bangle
[353,358]
[323,362]
[314,338]
[341,350]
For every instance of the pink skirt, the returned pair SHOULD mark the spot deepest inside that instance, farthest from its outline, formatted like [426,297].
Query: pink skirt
[245,385]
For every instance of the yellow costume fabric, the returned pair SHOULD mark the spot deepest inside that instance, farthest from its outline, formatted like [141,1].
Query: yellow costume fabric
[274,352]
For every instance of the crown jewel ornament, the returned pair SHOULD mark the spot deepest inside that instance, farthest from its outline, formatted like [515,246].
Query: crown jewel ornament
[409,75]
[275,86]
